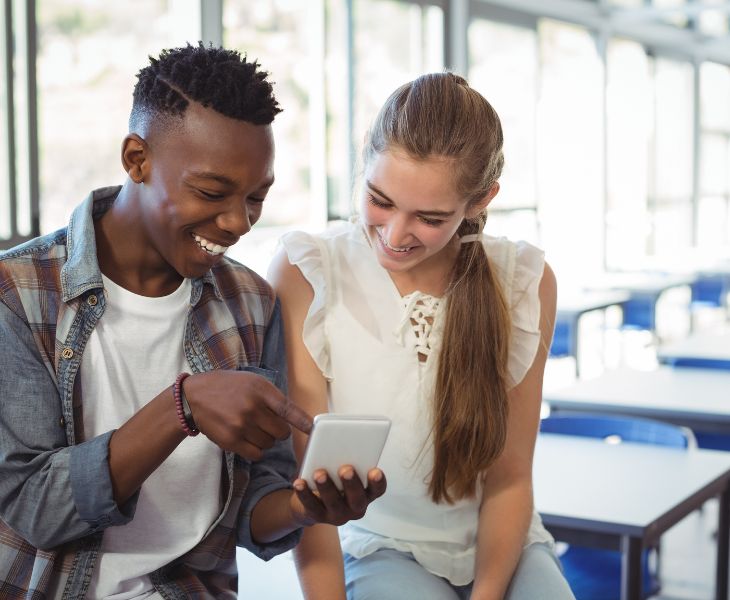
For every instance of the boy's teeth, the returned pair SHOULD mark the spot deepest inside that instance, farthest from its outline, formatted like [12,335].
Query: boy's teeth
[209,246]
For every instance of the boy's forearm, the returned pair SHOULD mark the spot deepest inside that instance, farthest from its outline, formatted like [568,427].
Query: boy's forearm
[273,518]
[142,444]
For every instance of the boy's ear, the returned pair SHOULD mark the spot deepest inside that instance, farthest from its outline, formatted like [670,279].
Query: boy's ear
[135,157]
[479,206]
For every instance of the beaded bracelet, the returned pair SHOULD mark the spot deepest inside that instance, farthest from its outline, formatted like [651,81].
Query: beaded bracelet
[184,415]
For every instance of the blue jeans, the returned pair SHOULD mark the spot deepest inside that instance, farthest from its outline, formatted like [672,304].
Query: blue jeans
[392,575]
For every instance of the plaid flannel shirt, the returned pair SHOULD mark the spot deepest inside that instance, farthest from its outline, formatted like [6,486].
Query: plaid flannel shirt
[55,488]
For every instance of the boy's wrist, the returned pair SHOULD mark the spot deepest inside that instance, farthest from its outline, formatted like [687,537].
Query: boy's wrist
[297,512]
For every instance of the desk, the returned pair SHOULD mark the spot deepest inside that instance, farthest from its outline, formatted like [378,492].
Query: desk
[626,496]
[644,290]
[695,398]
[571,307]
[710,349]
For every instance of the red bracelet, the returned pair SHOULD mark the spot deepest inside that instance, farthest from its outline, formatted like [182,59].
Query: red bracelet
[188,426]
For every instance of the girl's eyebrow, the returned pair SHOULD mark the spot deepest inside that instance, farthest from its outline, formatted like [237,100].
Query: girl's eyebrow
[426,213]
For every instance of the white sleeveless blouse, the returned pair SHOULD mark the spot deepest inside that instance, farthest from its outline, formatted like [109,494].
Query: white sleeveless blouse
[360,332]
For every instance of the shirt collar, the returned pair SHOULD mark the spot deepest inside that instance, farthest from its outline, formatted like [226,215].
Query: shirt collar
[81,271]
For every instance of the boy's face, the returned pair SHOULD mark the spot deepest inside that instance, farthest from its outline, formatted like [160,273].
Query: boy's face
[203,187]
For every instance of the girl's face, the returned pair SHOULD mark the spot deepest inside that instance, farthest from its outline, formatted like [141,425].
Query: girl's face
[411,210]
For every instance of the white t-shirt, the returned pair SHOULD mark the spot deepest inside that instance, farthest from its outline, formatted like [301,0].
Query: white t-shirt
[135,351]
[360,333]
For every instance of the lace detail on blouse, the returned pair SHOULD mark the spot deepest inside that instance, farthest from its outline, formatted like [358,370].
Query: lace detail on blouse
[418,315]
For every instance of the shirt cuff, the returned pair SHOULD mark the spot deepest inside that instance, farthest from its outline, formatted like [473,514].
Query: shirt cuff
[91,485]
[245,540]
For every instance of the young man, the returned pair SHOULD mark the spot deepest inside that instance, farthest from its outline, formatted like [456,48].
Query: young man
[105,492]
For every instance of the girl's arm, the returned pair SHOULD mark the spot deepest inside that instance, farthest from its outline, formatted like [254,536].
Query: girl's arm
[318,556]
[507,504]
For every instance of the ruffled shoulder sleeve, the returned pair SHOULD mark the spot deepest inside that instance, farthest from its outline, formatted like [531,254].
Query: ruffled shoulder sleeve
[520,267]
[309,254]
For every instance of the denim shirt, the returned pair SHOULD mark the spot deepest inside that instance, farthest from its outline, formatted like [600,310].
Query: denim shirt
[55,489]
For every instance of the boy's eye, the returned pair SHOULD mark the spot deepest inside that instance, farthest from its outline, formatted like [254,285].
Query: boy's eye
[211,195]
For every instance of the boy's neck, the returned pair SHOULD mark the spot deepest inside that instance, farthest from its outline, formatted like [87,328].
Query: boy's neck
[125,254]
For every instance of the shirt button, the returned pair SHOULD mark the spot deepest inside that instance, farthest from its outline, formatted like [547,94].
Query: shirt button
[92,300]
[62,422]
[67,353]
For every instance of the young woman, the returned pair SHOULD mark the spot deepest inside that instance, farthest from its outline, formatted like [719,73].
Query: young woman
[412,312]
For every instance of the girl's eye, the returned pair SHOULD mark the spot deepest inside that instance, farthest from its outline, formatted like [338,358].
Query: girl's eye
[378,202]
[256,200]
[431,222]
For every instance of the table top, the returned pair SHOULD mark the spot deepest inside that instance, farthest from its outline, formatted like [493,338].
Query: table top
[578,302]
[665,392]
[624,489]
[714,345]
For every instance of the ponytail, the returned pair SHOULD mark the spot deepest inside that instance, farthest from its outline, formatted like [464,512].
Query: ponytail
[470,400]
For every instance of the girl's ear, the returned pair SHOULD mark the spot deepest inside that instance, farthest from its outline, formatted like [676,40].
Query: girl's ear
[134,157]
[480,205]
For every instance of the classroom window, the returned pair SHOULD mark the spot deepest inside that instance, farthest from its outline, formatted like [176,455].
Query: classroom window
[629,114]
[570,149]
[394,42]
[711,21]
[279,34]
[503,66]
[88,56]
[713,211]
[671,167]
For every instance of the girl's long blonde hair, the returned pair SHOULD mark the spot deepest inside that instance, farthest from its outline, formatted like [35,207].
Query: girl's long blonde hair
[439,115]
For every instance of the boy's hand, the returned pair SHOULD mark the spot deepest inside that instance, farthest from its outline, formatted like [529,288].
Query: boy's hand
[242,412]
[328,504]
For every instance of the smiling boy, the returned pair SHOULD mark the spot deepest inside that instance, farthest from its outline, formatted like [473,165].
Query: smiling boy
[106,491]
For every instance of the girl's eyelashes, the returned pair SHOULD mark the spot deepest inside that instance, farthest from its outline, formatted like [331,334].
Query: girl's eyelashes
[430,221]
[378,202]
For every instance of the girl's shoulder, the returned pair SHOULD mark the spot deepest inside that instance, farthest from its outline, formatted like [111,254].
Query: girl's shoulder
[517,263]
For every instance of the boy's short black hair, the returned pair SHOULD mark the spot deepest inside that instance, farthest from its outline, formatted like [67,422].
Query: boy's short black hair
[214,77]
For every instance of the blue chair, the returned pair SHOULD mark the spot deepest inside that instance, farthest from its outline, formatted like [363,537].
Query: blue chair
[640,312]
[710,290]
[563,338]
[595,574]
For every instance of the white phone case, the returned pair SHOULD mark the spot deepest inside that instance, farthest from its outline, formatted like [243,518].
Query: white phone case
[337,440]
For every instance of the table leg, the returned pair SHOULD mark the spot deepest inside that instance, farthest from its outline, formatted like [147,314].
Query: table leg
[723,543]
[631,548]
[574,345]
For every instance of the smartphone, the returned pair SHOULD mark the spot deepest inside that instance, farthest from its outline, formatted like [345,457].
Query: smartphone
[337,440]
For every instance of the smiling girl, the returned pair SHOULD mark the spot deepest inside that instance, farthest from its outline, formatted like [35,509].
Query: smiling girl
[411,311]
